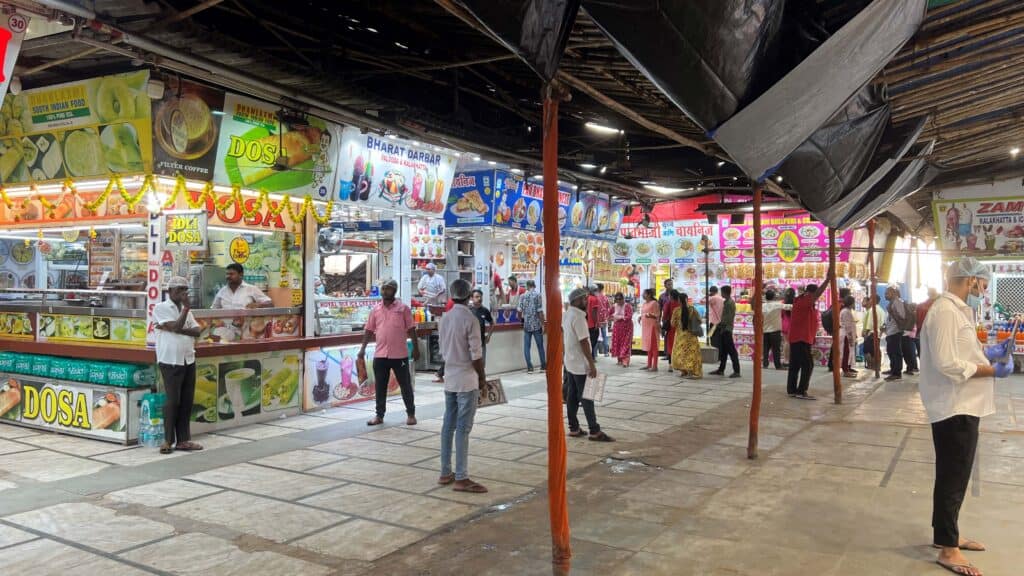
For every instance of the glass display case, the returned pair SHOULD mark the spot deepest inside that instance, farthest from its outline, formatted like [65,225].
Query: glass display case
[342,315]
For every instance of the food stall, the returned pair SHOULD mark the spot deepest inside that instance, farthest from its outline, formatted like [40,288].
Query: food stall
[648,255]
[795,254]
[387,223]
[590,228]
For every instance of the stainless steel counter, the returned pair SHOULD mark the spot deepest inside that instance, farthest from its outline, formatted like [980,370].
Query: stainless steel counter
[58,308]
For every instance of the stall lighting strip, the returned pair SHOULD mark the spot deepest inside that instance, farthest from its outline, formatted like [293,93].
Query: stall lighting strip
[240,231]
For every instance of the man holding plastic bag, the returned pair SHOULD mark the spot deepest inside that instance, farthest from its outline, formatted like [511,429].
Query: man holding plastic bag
[579,365]
[957,389]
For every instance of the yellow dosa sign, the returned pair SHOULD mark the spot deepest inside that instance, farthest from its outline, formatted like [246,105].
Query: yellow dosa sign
[186,230]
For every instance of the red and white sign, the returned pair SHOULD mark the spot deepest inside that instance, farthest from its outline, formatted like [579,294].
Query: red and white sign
[12,31]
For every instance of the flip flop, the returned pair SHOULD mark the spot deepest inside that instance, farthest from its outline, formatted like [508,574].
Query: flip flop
[166,449]
[576,433]
[600,437]
[471,487]
[188,447]
[446,480]
[968,545]
[962,569]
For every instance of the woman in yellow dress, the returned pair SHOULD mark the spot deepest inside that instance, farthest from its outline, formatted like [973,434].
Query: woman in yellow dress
[686,348]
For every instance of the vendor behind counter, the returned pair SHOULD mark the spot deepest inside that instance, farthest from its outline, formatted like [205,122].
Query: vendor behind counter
[238,294]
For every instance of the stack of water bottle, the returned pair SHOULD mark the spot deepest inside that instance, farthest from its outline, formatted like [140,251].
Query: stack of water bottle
[151,421]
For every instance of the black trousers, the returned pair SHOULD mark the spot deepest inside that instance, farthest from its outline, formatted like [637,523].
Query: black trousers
[801,365]
[894,348]
[180,389]
[956,440]
[772,344]
[382,368]
[575,384]
[595,335]
[726,351]
[909,353]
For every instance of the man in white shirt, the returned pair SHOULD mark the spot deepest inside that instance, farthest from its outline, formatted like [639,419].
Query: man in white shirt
[176,333]
[773,328]
[432,287]
[238,295]
[461,345]
[579,364]
[874,316]
[957,390]
[894,334]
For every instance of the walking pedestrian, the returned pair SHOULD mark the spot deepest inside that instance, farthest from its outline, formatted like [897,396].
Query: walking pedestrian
[803,330]
[687,326]
[773,310]
[874,319]
[848,336]
[622,330]
[650,329]
[483,315]
[604,314]
[668,330]
[579,364]
[957,390]
[462,346]
[723,336]
[176,333]
[593,319]
[531,308]
[895,337]
[390,323]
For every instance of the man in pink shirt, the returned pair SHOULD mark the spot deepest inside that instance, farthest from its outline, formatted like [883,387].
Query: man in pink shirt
[715,305]
[390,323]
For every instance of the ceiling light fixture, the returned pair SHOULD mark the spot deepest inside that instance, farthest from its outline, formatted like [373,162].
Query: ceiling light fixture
[402,46]
[604,169]
[588,166]
[665,189]
[778,179]
[603,129]
[1014,151]
[721,163]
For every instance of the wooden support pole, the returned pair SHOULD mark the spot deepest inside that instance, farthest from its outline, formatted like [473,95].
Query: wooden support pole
[755,402]
[557,500]
[875,354]
[837,354]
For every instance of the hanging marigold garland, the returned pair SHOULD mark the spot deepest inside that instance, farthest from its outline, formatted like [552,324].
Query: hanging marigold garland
[246,208]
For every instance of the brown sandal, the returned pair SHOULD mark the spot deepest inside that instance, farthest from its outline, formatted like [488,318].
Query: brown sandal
[188,446]
[375,421]
[577,433]
[446,480]
[469,486]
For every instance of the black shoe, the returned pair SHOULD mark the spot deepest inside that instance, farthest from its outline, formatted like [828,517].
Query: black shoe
[792,394]
[893,378]
[734,375]
[911,372]
[717,373]
[805,396]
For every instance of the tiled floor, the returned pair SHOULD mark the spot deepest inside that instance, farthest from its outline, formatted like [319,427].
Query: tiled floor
[323,494]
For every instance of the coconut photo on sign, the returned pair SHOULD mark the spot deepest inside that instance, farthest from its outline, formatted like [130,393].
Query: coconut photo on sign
[264,147]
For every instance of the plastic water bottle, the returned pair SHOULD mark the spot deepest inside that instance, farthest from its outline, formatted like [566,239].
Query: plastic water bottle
[151,434]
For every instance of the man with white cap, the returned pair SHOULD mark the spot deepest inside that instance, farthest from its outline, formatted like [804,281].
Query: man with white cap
[390,323]
[432,286]
[579,364]
[957,390]
[462,347]
[176,333]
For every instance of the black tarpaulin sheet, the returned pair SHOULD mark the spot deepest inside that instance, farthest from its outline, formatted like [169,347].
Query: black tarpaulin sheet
[894,145]
[706,56]
[900,183]
[534,30]
[761,135]
[833,161]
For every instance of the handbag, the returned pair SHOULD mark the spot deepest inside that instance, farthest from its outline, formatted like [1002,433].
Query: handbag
[696,326]
[594,388]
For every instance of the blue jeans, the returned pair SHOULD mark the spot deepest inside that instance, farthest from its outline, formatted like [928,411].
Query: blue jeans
[537,336]
[604,340]
[459,410]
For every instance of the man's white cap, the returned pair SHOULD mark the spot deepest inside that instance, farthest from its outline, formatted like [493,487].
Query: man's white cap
[177,282]
[968,267]
[431,266]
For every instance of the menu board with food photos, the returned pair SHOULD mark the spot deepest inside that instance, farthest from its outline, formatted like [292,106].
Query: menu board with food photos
[786,237]
[591,215]
[426,238]
[471,200]
[520,205]
[679,242]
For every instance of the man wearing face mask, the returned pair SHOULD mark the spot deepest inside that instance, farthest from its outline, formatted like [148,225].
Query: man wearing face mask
[957,390]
